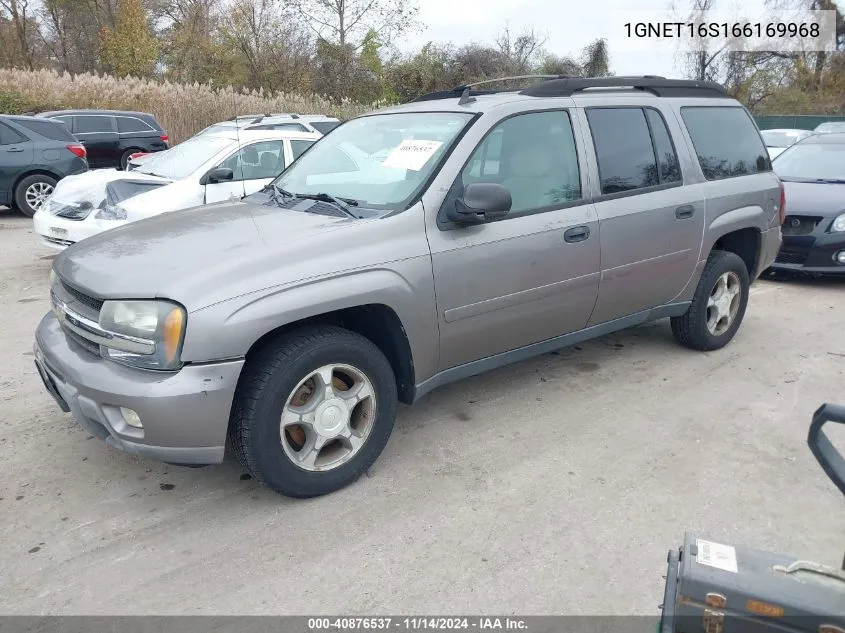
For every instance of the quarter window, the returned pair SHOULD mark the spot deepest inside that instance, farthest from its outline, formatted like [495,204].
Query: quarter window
[127,124]
[533,156]
[299,147]
[726,141]
[8,136]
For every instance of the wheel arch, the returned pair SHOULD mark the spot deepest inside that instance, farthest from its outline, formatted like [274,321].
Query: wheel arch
[33,172]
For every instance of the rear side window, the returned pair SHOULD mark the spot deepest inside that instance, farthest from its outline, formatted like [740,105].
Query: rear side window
[48,129]
[9,136]
[324,127]
[726,141]
[89,124]
[624,149]
[127,124]
[299,147]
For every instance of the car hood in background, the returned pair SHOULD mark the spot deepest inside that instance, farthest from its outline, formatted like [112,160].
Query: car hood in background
[811,198]
[91,186]
[775,151]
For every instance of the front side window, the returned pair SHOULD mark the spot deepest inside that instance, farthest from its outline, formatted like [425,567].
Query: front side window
[726,141]
[533,156]
[380,161]
[93,124]
[257,161]
[185,158]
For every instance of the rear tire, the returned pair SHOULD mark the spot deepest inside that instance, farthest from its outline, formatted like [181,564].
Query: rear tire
[326,372]
[32,191]
[124,158]
[718,307]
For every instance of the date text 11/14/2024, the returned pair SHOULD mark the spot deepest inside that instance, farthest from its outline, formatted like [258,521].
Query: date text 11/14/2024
[417,623]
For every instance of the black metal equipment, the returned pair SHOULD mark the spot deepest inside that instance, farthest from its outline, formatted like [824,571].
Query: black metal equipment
[717,588]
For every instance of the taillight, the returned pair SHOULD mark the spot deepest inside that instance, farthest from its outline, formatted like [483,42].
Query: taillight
[782,206]
[165,138]
[78,150]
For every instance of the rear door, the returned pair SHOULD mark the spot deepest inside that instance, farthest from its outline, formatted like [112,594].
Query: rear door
[98,132]
[253,166]
[651,222]
[15,156]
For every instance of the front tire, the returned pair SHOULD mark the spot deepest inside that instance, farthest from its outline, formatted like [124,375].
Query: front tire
[32,191]
[313,410]
[718,307]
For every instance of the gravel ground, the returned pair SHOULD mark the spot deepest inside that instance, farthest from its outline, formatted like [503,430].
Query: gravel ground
[552,486]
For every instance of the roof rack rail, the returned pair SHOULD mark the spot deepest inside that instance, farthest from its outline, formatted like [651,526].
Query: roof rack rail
[659,86]
[467,91]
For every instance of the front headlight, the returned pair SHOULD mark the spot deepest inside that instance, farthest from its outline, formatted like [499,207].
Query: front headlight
[111,212]
[838,224]
[161,323]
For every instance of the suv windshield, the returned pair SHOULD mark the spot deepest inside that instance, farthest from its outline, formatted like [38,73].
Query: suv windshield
[812,161]
[381,160]
[184,159]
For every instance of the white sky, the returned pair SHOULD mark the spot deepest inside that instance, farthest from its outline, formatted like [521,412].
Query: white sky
[569,24]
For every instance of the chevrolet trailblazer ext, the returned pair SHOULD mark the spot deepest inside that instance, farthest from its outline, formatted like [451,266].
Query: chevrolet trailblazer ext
[411,247]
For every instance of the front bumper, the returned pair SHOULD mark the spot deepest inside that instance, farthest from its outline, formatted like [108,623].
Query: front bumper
[811,253]
[59,233]
[185,414]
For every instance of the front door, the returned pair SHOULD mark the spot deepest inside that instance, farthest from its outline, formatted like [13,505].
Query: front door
[651,224]
[253,166]
[98,133]
[532,275]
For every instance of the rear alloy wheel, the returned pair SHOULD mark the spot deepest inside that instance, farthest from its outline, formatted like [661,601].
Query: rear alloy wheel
[314,409]
[718,306]
[32,191]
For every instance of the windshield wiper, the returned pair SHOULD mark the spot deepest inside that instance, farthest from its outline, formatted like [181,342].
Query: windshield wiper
[276,192]
[344,204]
[831,181]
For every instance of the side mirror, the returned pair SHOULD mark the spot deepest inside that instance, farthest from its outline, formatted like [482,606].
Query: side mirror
[481,202]
[219,174]
[830,459]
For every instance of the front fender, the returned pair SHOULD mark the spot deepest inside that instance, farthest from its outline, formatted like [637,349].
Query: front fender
[229,329]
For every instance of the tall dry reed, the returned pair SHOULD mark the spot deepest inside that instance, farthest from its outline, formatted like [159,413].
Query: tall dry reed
[182,109]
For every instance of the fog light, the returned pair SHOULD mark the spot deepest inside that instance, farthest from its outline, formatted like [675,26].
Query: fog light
[131,418]
[840,257]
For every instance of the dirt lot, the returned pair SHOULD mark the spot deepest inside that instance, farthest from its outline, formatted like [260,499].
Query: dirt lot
[553,486]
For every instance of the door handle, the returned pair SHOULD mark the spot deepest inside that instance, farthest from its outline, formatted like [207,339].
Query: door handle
[15,149]
[576,234]
[684,212]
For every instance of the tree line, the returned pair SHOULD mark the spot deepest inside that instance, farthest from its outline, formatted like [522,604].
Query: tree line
[343,49]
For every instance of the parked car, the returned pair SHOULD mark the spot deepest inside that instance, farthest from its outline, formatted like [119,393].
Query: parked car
[315,123]
[778,140]
[499,226]
[813,172]
[830,127]
[111,136]
[201,170]
[34,155]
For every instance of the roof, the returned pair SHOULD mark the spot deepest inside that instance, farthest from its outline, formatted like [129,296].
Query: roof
[258,135]
[51,113]
[831,138]
[24,117]
[787,130]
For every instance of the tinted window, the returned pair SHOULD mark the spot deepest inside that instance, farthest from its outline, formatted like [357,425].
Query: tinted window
[533,156]
[8,136]
[667,159]
[299,147]
[324,127]
[88,124]
[726,141]
[55,131]
[131,124]
[624,150]
[257,161]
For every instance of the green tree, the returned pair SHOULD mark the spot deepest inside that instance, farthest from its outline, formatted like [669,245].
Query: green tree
[130,48]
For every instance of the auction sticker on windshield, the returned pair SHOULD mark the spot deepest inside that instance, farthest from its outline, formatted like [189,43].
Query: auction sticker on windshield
[411,154]
[716,555]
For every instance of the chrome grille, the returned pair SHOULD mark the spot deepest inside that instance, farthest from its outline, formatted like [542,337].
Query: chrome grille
[89,346]
[81,297]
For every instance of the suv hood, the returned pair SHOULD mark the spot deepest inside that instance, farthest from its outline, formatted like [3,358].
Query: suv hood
[205,255]
[814,198]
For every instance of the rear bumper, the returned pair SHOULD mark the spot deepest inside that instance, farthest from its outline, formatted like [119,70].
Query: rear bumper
[185,414]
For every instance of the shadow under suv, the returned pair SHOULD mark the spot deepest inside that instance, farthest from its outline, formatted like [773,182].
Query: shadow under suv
[112,136]
[34,155]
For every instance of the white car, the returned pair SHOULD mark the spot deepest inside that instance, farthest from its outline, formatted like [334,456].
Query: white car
[202,170]
[777,140]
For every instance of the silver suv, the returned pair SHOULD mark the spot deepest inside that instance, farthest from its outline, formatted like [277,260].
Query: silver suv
[411,247]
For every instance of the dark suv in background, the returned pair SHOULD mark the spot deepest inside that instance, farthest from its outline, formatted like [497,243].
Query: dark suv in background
[112,136]
[34,155]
